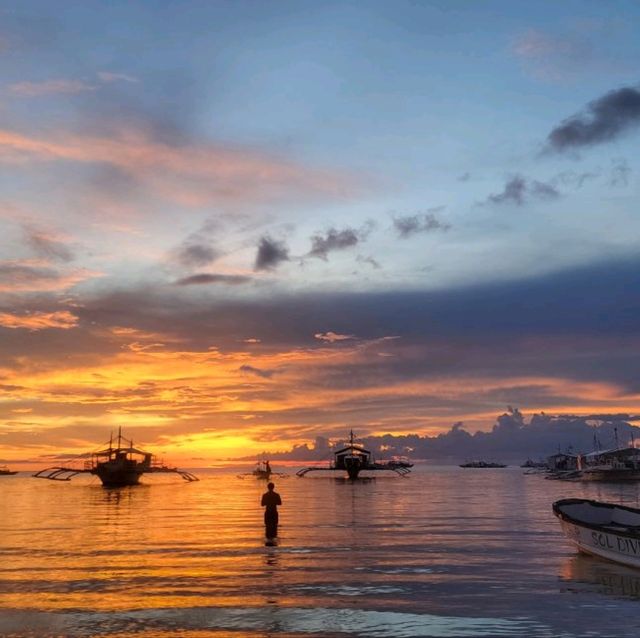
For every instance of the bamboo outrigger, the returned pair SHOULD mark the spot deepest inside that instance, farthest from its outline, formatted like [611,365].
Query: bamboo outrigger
[117,465]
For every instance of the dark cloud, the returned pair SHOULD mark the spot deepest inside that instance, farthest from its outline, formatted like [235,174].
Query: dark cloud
[409,225]
[331,240]
[513,438]
[271,253]
[517,189]
[47,246]
[322,245]
[603,119]
[259,372]
[513,193]
[620,172]
[577,324]
[211,278]
[194,255]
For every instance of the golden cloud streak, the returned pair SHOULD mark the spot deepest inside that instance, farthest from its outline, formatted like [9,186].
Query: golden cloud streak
[62,319]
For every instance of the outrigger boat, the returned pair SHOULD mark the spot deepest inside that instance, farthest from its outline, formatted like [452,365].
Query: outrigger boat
[353,459]
[483,464]
[603,529]
[262,471]
[117,465]
[5,471]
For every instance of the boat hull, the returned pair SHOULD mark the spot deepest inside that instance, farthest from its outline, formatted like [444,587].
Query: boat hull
[599,540]
[118,478]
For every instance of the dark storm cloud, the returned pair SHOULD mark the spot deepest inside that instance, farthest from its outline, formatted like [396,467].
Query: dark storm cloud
[211,278]
[258,372]
[409,225]
[579,323]
[271,253]
[603,119]
[518,189]
[47,246]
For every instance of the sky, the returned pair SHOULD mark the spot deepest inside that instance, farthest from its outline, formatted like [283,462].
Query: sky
[231,227]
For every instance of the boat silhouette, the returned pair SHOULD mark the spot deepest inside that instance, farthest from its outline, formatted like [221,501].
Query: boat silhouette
[353,459]
[117,465]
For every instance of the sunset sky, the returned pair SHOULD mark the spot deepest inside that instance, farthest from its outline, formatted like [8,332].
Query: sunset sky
[235,226]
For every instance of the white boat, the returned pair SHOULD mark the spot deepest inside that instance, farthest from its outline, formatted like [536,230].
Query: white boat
[603,529]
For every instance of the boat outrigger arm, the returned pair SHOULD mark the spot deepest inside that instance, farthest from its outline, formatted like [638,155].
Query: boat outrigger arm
[62,473]
[376,467]
[353,459]
[118,464]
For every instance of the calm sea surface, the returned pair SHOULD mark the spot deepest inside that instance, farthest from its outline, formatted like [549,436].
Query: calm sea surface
[445,552]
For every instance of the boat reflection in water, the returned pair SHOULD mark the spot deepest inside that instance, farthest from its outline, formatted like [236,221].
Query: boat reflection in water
[608,578]
[117,465]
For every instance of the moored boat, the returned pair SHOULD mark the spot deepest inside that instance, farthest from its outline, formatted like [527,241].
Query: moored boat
[5,471]
[262,470]
[607,530]
[483,464]
[117,465]
[353,459]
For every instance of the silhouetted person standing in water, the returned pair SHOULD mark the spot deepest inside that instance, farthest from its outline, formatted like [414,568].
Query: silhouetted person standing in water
[270,501]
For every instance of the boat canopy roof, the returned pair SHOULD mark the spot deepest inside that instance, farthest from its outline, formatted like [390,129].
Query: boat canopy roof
[353,449]
[625,451]
[128,450]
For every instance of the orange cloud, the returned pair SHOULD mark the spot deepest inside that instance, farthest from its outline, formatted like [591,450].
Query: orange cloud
[62,319]
[188,174]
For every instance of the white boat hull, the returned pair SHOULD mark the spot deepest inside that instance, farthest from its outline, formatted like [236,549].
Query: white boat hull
[609,545]
[597,538]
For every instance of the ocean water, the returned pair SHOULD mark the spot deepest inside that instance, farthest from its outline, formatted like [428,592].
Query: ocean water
[445,552]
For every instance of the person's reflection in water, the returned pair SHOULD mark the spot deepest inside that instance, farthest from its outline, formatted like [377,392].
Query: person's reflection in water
[270,501]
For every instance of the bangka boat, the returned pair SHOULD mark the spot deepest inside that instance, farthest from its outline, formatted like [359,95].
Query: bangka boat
[262,471]
[607,530]
[117,465]
[483,464]
[619,464]
[5,471]
[353,459]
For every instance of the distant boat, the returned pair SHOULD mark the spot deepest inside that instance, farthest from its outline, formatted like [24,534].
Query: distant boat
[483,464]
[620,464]
[603,529]
[353,459]
[117,465]
[262,470]
[5,471]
